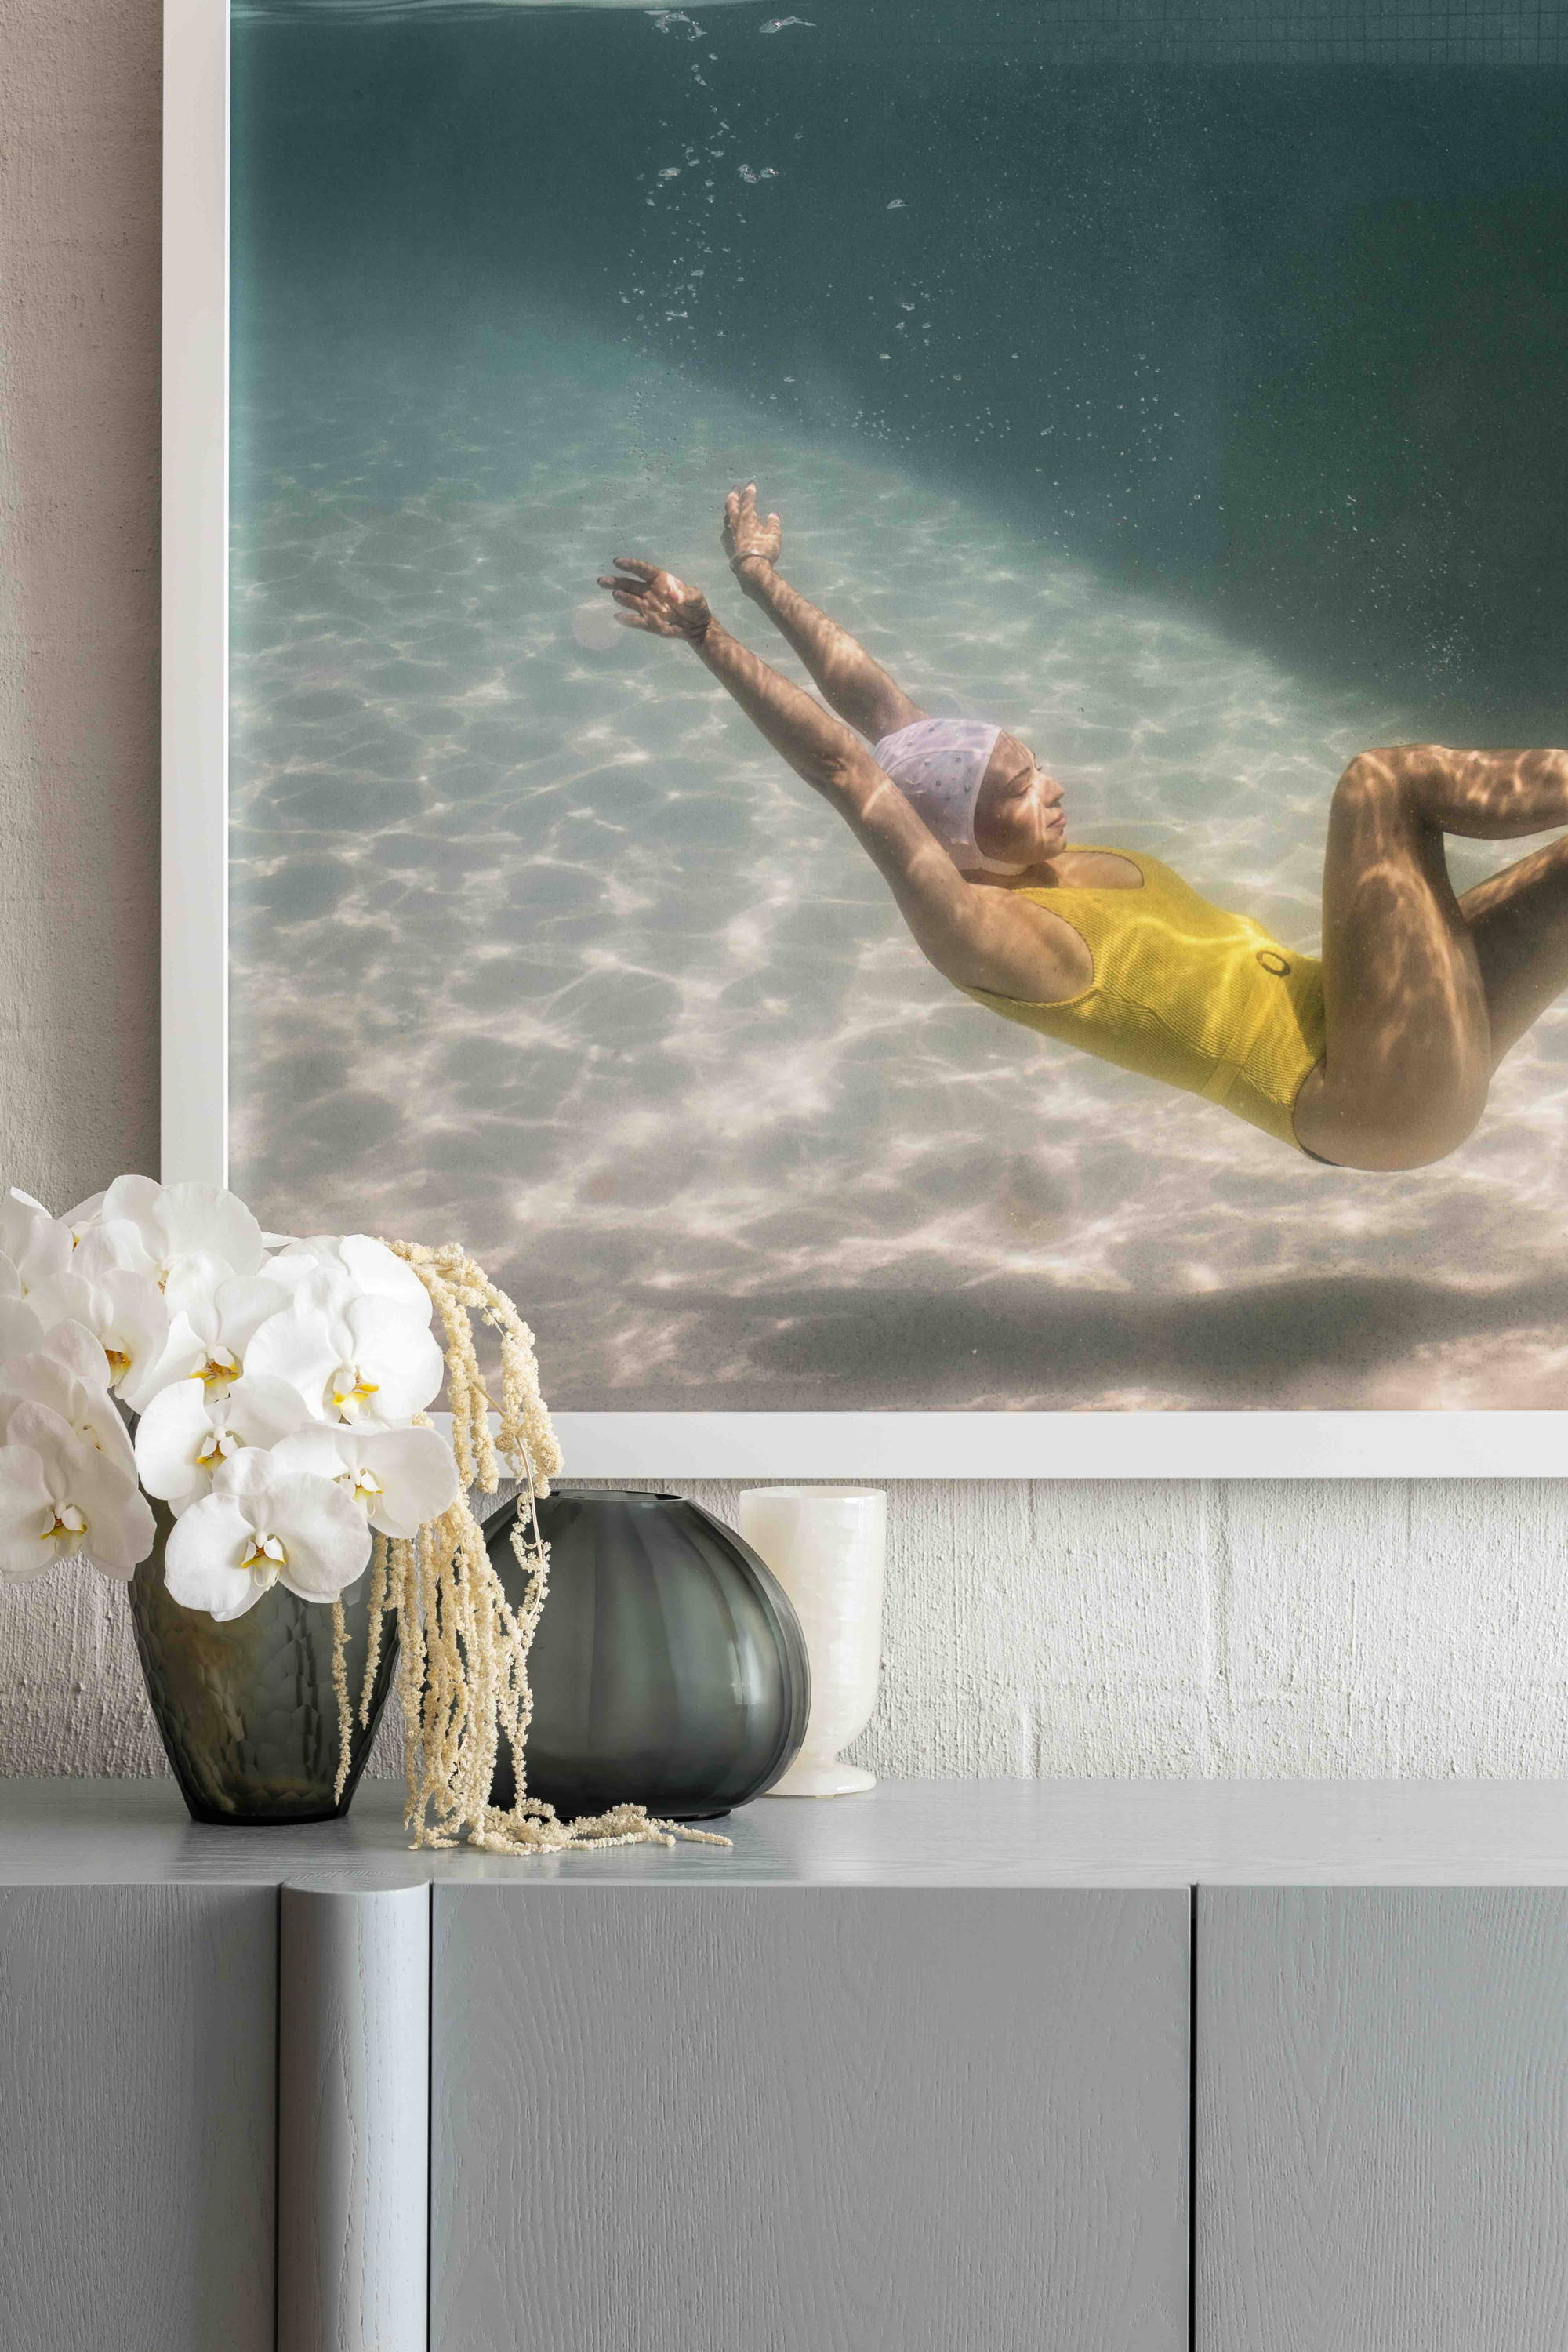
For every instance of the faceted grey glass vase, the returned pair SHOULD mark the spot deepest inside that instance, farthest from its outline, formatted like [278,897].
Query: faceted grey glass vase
[247,1711]
[669,1668]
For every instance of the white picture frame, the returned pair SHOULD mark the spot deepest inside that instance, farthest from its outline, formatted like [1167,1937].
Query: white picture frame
[194,1023]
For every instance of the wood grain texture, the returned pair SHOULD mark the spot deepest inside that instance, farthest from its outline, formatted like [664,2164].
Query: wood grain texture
[1382,2120]
[136,2094]
[354,2119]
[853,2122]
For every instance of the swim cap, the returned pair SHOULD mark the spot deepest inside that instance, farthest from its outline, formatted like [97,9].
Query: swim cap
[939,765]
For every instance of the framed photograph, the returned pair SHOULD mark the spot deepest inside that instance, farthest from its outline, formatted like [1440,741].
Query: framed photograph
[1024,931]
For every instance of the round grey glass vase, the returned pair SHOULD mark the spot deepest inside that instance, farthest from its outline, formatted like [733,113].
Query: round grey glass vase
[247,1711]
[668,1669]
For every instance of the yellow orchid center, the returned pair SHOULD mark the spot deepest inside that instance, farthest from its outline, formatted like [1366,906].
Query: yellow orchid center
[348,1390]
[119,1361]
[220,1445]
[265,1557]
[220,1366]
[65,1519]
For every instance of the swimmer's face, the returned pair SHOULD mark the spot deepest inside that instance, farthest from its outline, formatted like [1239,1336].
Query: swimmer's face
[1018,817]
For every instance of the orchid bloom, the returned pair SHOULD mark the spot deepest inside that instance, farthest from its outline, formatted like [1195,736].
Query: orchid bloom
[115,1247]
[401,1477]
[264,1525]
[77,1352]
[84,1404]
[178,1220]
[352,1358]
[38,1245]
[193,1426]
[126,1314]
[86,1213]
[357,1260]
[20,1329]
[222,1311]
[269,1378]
[61,1499]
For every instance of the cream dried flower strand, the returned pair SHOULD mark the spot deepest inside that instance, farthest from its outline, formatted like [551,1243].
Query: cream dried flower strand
[463,1648]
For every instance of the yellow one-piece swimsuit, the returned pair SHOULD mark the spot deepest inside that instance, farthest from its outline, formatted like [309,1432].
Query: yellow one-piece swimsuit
[1184,993]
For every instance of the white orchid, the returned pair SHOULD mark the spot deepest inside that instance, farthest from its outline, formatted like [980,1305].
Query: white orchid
[270,1381]
[260,1526]
[358,1261]
[115,1247]
[38,1245]
[400,1478]
[222,1311]
[352,1358]
[20,1329]
[126,1314]
[193,1426]
[180,1221]
[62,1498]
[52,1375]
[86,1213]
[74,1348]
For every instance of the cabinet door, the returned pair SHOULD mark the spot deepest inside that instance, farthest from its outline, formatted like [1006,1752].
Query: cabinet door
[137,2061]
[843,2120]
[1381,2125]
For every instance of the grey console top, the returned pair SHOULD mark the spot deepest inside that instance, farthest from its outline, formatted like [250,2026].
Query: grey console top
[957,1833]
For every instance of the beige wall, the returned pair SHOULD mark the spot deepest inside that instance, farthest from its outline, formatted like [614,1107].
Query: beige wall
[79,720]
[1375,1627]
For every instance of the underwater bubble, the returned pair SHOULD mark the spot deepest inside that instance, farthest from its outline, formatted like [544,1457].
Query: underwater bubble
[596,629]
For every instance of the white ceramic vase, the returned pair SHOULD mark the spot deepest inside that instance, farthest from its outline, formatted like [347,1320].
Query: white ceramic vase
[827,1547]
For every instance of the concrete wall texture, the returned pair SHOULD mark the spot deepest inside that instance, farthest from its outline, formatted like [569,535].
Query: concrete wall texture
[1254,1628]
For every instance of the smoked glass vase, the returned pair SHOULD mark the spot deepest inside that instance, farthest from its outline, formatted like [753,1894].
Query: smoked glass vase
[247,1711]
[669,1668]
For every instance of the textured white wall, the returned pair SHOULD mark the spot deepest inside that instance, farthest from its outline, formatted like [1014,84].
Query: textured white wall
[1372,1627]
[1242,1629]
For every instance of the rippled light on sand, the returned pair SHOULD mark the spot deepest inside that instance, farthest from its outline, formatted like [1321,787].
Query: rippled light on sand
[538,946]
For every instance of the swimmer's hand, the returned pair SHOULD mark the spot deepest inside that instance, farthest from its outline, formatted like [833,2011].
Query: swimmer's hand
[658,601]
[747,533]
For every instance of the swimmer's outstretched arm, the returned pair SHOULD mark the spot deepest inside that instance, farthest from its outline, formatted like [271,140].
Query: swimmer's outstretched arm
[859,689]
[992,939]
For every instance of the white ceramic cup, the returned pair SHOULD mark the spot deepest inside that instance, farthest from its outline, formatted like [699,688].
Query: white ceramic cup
[827,1547]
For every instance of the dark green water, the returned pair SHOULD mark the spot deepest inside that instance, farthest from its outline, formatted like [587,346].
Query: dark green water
[1291,341]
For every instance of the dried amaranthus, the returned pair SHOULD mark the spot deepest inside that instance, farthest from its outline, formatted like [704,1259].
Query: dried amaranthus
[463,1677]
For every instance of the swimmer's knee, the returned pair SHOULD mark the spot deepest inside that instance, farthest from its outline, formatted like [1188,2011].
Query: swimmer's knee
[1375,782]
[1397,1148]
[1396,780]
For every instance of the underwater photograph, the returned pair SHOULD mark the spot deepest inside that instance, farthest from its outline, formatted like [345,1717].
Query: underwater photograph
[900,681]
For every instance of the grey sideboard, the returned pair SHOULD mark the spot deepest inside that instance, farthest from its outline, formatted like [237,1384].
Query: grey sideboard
[958,2067]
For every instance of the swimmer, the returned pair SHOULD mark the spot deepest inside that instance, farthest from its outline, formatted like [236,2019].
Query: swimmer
[1376,1055]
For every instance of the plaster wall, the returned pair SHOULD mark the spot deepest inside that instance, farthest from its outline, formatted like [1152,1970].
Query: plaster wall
[1339,1629]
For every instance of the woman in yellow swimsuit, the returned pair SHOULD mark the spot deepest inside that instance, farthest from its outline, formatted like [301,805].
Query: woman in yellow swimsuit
[1378,1055]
